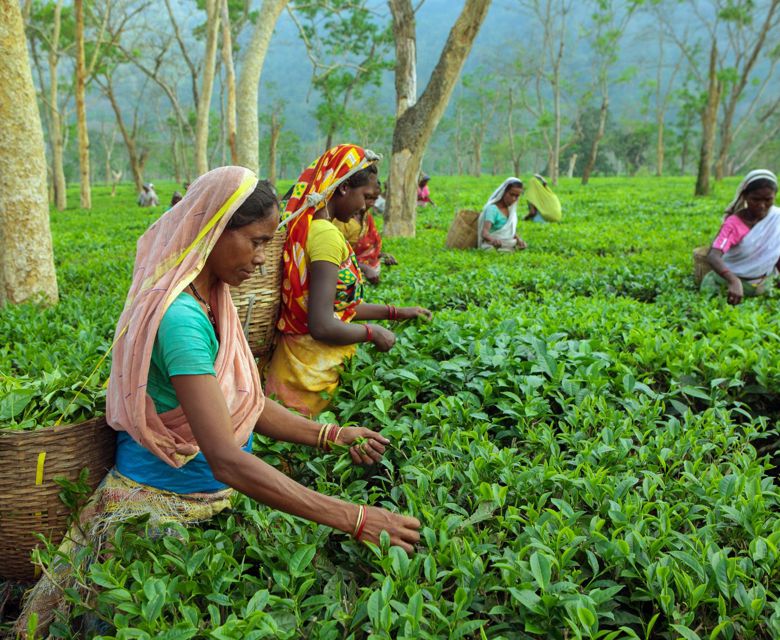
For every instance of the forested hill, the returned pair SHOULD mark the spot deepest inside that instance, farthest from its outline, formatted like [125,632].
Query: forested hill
[655,74]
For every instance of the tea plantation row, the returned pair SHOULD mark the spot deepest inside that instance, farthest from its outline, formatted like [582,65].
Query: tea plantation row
[582,434]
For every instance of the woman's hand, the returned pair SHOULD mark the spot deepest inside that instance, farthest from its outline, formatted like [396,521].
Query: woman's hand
[383,339]
[403,530]
[735,292]
[521,243]
[371,274]
[389,260]
[410,313]
[369,450]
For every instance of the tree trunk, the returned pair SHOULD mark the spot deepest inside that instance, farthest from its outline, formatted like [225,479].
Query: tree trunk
[572,163]
[26,256]
[204,97]
[81,109]
[511,132]
[556,153]
[230,77]
[55,122]
[594,148]
[136,165]
[249,81]
[175,158]
[659,145]
[416,121]
[276,127]
[738,87]
[709,118]
[405,35]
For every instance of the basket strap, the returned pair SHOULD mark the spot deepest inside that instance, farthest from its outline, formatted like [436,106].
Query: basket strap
[248,319]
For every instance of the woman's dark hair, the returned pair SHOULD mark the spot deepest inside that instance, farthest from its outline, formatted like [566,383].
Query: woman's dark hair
[362,177]
[514,183]
[761,183]
[258,206]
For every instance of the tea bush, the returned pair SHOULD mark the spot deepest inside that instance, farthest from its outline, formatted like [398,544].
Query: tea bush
[582,434]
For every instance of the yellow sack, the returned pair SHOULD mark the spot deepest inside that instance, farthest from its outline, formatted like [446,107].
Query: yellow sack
[546,202]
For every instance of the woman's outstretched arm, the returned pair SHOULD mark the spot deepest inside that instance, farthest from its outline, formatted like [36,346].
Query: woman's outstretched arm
[279,423]
[205,408]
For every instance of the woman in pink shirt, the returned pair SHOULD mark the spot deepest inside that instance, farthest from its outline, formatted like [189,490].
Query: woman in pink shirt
[424,192]
[745,253]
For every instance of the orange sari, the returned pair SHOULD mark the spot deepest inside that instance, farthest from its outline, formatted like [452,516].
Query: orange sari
[304,372]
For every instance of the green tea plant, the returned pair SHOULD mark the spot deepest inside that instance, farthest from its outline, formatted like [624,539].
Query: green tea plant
[583,435]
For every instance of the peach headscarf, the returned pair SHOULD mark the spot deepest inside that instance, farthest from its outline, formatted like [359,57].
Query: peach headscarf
[169,256]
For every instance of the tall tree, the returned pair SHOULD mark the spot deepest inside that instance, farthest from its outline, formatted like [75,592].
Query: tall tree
[552,16]
[348,52]
[165,71]
[729,29]
[609,22]
[81,109]
[206,87]
[106,71]
[663,91]
[709,117]
[480,101]
[26,255]
[230,81]
[747,37]
[416,119]
[248,143]
[46,26]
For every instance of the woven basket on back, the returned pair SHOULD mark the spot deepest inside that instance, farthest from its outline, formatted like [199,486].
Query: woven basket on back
[257,299]
[463,230]
[701,266]
[29,496]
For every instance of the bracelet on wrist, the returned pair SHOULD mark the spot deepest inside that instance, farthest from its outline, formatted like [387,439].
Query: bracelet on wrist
[328,434]
[360,523]
[369,333]
[320,436]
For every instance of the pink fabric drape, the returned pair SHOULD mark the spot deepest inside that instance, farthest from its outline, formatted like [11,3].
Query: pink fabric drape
[169,256]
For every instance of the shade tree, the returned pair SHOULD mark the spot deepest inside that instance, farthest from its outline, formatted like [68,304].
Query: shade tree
[417,118]
[26,256]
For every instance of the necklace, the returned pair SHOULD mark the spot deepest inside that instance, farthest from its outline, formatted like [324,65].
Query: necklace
[209,312]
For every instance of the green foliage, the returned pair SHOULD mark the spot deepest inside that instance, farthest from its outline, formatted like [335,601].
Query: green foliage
[348,49]
[577,430]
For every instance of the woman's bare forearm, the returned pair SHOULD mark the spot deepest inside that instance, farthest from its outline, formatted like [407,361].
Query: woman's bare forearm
[281,424]
[339,333]
[204,405]
[365,311]
[259,480]
[715,258]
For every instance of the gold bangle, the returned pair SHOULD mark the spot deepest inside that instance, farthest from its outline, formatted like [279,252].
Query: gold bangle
[320,436]
[338,433]
[360,517]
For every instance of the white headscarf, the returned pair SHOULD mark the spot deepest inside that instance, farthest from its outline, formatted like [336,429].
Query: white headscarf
[511,223]
[738,203]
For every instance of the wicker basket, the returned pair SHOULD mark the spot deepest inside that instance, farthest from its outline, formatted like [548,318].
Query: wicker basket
[29,496]
[463,230]
[257,299]
[701,266]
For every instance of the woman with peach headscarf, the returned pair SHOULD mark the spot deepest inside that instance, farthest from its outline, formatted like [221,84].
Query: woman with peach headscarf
[185,395]
[322,286]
